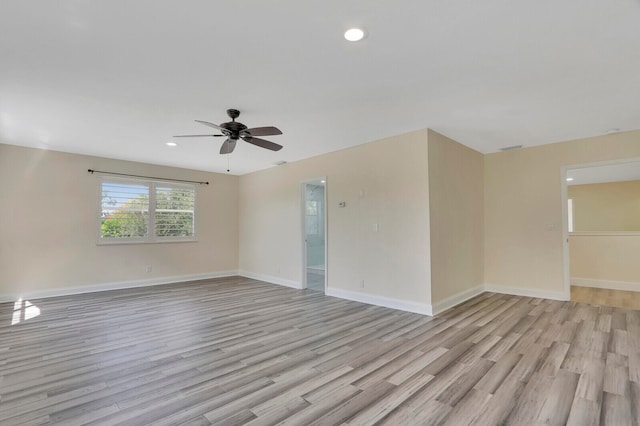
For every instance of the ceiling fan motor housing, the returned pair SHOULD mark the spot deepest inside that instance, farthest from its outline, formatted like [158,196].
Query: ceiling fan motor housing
[235,127]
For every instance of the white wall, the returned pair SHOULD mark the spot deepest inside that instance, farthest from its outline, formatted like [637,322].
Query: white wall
[48,226]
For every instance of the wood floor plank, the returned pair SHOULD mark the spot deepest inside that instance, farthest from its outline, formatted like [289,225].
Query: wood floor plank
[498,372]
[584,413]
[352,406]
[527,409]
[240,351]
[616,410]
[468,409]
[559,398]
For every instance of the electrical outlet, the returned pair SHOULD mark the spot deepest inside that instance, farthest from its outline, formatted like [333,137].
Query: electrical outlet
[149,268]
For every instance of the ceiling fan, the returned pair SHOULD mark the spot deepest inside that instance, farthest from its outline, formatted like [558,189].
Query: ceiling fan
[235,130]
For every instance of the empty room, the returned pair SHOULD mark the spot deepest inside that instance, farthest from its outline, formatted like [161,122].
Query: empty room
[319,213]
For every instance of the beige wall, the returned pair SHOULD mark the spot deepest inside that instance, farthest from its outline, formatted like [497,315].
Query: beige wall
[523,208]
[254,222]
[48,225]
[612,206]
[456,188]
[605,258]
[392,176]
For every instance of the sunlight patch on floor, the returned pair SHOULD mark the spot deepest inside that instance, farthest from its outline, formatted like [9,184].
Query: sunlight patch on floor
[24,310]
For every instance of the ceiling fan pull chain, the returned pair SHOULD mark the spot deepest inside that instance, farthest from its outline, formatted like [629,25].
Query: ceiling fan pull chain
[228,161]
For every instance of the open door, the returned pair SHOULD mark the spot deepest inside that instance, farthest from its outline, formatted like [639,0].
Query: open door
[315,234]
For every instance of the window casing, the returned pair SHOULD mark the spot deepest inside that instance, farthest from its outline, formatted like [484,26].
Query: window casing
[145,211]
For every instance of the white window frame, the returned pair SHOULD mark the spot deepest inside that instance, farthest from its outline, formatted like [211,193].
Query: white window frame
[570,215]
[151,238]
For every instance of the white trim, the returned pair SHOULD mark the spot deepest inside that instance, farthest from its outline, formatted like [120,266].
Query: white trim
[457,299]
[119,285]
[527,292]
[564,204]
[271,279]
[608,284]
[387,302]
[605,234]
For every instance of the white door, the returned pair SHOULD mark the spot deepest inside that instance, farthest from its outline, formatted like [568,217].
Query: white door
[314,214]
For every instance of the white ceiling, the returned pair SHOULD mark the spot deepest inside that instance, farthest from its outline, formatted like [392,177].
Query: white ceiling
[118,78]
[606,173]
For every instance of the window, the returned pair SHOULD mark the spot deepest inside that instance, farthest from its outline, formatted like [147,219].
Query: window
[312,218]
[570,214]
[133,210]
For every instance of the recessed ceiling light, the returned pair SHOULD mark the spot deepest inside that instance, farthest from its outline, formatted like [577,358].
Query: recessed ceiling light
[569,179]
[354,34]
[172,144]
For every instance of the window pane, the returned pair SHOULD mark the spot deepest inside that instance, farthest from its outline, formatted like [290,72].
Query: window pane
[124,210]
[175,211]
[312,207]
[570,213]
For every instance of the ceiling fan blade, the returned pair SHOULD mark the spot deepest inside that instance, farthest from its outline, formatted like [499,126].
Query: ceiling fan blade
[228,146]
[215,126]
[194,136]
[262,143]
[262,131]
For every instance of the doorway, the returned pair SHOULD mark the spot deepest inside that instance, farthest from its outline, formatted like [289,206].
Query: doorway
[601,209]
[314,234]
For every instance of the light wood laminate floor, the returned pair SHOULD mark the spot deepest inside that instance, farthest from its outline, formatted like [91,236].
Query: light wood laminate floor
[239,351]
[606,297]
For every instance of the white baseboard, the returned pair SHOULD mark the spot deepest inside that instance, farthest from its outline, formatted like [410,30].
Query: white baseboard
[387,302]
[119,285]
[271,279]
[457,299]
[404,305]
[527,292]
[607,284]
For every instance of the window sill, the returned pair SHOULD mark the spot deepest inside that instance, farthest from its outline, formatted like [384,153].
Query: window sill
[605,233]
[102,242]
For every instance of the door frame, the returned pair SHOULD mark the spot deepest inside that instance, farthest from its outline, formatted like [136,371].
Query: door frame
[565,212]
[303,229]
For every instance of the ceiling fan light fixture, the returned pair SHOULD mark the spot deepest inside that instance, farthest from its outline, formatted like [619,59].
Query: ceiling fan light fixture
[354,34]
[235,131]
